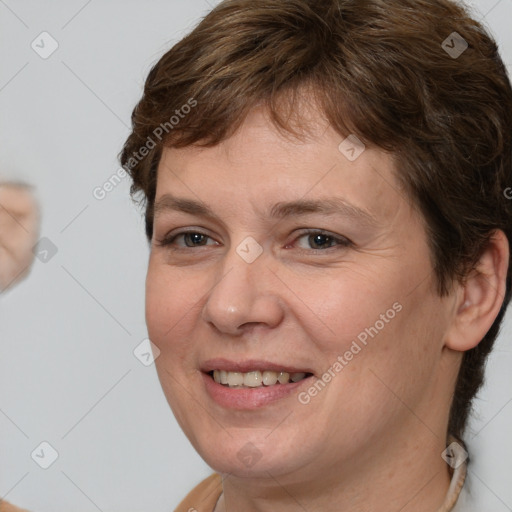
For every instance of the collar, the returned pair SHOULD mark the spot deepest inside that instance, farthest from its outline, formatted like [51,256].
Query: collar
[456,457]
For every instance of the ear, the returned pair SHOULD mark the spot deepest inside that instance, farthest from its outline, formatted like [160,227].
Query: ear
[480,299]
[19,226]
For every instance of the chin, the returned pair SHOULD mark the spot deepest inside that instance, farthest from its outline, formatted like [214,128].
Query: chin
[244,458]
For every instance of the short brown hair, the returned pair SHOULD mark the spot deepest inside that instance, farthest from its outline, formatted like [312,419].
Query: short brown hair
[379,69]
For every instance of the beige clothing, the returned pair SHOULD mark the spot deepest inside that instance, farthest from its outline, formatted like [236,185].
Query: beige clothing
[204,497]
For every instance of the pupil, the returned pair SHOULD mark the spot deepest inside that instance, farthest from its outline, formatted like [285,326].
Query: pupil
[318,238]
[195,237]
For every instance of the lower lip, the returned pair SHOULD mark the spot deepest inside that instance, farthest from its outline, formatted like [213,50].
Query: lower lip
[250,398]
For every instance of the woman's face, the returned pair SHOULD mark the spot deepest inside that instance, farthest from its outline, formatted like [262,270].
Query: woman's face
[342,292]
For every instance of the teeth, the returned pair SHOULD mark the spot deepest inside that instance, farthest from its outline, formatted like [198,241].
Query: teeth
[283,378]
[255,379]
[269,378]
[235,379]
[252,379]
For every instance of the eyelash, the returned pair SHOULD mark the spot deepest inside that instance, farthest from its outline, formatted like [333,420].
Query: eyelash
[341,241]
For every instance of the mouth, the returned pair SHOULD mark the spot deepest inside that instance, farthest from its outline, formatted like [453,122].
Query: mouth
[252,383]
[256,378]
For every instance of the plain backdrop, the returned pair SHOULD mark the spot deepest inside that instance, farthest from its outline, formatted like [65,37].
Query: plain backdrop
[68,373]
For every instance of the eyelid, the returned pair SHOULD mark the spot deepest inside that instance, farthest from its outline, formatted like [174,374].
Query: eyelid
[342,241]
[314,231]
[167,239]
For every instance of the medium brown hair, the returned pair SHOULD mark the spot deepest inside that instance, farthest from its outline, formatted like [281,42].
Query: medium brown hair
[379,69]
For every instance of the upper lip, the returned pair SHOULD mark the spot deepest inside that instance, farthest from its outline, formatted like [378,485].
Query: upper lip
[249,365]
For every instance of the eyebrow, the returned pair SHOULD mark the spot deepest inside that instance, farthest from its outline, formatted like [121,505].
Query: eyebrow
[300,207]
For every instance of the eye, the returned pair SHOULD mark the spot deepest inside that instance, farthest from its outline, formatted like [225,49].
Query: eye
[317,240]
[191,239]
[321,240]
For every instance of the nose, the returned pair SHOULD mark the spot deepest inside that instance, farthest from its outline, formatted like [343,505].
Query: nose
[246,294]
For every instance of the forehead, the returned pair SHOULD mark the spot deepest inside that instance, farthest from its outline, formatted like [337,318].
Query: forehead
[261,166]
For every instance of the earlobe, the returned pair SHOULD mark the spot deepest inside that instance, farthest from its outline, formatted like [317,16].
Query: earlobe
[481,296]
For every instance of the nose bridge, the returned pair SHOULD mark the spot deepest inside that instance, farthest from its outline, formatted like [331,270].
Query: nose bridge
[243,294]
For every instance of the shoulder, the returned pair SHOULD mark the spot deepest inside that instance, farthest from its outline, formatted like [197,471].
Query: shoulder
[202,498]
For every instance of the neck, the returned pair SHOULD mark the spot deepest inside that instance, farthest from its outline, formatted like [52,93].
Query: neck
[392,475]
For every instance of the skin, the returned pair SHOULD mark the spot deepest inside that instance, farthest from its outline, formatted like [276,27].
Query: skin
[18,233]
[379,427]
[19,224]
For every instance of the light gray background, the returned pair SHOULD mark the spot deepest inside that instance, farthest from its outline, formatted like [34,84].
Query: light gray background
[68,375]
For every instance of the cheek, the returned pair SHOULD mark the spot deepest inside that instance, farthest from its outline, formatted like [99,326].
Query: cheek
[157,297]
[396,366]
[167,306]
[350,307]
[166,319]
[170,301]
[378,337]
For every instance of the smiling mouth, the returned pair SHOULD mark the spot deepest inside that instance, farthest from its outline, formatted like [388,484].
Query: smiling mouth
[256,379]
